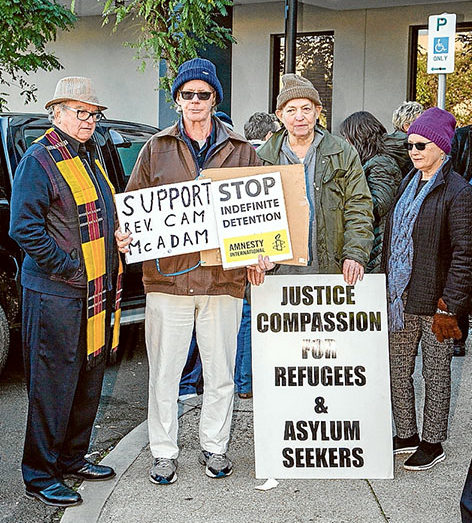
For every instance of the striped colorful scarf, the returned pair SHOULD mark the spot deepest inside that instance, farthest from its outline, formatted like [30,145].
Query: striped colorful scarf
[92,238]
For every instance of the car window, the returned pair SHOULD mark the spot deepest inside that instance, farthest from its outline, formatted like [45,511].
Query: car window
[128,143]
[30,135]
[24,136]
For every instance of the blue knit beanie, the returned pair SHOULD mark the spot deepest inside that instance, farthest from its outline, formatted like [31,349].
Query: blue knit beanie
[198,69]
[437,125]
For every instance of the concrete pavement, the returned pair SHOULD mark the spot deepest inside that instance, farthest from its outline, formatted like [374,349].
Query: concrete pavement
[428,496]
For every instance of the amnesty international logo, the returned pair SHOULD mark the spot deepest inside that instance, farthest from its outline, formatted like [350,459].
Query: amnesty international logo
[278,244]
[247,248]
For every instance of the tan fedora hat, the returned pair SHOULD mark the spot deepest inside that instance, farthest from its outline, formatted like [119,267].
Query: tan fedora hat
[76,88]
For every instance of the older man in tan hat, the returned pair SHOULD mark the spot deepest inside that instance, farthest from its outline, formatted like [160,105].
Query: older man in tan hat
[62,216]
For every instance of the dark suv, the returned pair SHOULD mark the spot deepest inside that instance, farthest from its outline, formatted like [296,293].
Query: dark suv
[118,146]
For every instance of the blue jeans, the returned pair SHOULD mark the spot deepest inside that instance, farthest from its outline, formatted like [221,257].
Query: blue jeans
[243,372]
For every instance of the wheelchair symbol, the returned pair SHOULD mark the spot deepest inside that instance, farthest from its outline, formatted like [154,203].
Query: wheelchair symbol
[441,45]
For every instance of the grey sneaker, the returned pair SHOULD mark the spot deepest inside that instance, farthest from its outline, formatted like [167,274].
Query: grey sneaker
[217,465]
[163,471]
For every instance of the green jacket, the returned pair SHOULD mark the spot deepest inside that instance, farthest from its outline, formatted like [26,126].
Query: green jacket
[343,203]
[383,177]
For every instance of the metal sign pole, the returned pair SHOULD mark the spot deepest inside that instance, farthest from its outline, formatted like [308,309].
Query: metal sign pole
[291,7]
[441,48]
[442,91]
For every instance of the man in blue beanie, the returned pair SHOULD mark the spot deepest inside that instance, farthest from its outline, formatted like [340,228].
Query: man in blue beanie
[181,294]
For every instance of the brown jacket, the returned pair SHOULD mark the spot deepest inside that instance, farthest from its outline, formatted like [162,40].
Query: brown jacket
[164,159]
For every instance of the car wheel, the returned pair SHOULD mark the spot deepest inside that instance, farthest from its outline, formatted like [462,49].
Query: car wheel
[4,339]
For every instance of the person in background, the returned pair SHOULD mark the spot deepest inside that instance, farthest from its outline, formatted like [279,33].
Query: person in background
[181,294]
[221,115]
[367,135]
[260,127]
[63,217]
[402,118]
[427,258]
[461,154]
[341,219]
[191,380]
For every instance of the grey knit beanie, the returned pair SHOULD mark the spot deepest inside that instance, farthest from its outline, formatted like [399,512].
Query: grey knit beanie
[295,86]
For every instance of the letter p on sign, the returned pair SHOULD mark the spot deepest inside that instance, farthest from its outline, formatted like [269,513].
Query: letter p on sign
[440,23]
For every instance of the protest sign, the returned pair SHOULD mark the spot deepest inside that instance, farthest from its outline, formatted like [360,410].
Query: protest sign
[321,378]
[251,219]
[168,220]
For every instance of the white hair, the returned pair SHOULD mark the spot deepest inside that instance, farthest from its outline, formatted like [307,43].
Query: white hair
[51,111]
[407,113]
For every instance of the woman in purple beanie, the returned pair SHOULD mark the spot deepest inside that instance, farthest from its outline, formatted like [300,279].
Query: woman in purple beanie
[428,261]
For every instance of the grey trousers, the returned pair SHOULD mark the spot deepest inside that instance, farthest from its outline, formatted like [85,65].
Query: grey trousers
[436,373]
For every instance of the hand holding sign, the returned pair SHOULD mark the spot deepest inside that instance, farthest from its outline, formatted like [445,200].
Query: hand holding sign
[352,271]
[123,240]
[256,273]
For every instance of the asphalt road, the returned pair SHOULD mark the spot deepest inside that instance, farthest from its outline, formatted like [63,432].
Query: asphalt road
[123,406]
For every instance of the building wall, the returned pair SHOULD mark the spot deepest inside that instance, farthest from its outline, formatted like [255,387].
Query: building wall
[92,50]
[370,54]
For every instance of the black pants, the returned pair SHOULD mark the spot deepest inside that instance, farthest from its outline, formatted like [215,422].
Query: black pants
[466,499]
[463,323]
[63,395]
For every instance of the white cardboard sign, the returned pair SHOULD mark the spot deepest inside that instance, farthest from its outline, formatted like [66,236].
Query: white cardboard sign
[251,219]
[321,378]
[168,220]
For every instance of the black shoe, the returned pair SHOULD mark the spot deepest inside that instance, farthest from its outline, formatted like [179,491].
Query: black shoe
[459,348]
[91,472]
[405,445]
[56,495]
[427,455]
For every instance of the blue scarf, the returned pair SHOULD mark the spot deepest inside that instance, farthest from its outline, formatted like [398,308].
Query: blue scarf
[401,246]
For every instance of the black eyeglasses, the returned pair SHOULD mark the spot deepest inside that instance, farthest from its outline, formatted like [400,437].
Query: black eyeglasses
[201,95]
[420,146]
[84,115]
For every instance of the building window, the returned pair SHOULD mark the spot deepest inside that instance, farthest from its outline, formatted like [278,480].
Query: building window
[315,59]
[423,87]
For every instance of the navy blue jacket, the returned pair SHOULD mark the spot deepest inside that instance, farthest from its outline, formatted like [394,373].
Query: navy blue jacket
[44,222]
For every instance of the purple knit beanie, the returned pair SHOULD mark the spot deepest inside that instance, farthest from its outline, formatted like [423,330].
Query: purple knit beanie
[437,125]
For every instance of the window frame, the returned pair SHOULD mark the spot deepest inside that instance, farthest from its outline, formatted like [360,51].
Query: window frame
[275,49]
[413,54]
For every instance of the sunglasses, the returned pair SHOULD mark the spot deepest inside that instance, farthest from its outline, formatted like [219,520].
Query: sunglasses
[420,146]
[201,95]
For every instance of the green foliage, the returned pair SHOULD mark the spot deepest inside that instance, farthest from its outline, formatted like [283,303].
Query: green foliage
[173,30]
[458,84]
[26,27]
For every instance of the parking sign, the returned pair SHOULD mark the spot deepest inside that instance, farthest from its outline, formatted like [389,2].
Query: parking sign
[441,40]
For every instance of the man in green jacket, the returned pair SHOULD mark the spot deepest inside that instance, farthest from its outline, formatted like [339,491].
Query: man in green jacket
[341,219]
